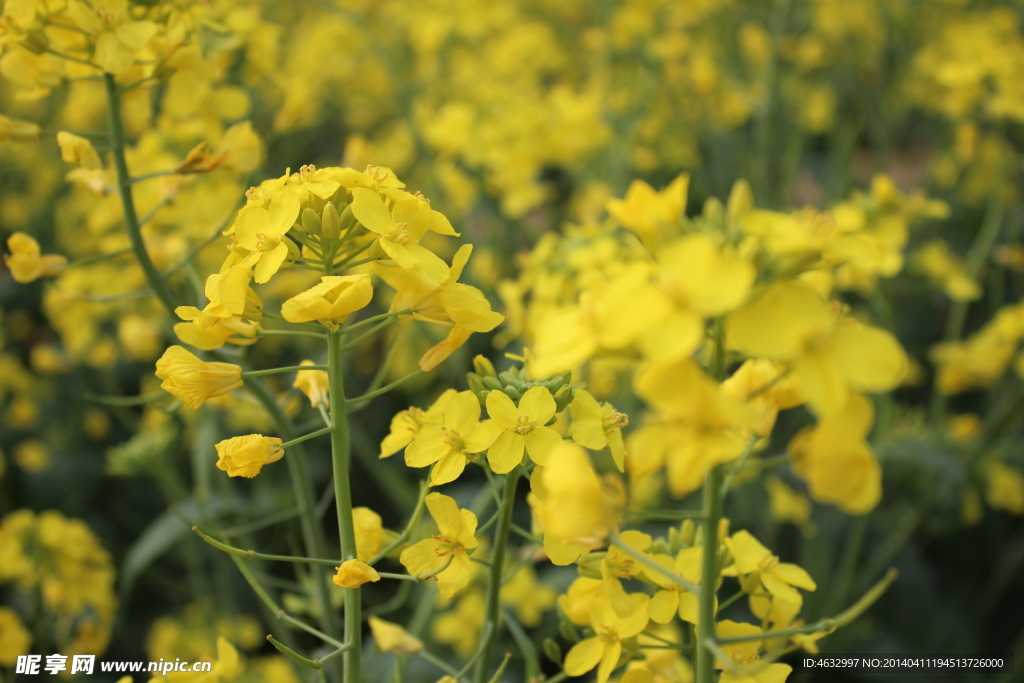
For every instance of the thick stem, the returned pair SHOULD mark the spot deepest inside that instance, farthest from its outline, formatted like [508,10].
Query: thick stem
[492,616]
[343,500]
[709,577]
[124,184]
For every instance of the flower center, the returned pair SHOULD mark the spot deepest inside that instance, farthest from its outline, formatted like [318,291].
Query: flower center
[445,546]
[454,441]
[265,242]
[615,421]
[399,236]
[524,425]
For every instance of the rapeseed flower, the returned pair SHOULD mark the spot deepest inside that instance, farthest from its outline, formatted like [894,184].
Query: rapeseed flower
[449,447]
[194,381]
[26,261]
[245,456]
[331,301]
[314,384]
[354,573]
[520,428]
[604,649]
[453,544]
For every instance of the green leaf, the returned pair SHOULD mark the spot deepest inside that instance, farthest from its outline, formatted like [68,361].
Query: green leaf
[162,533]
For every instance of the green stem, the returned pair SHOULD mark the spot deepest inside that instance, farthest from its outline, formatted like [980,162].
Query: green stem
[277,371]
[492,616]
[712,502]
[293,655]
[253,555]
[414,522]
[311,435]
[343,499]
[305,326]
[731,477]
[365,335]
[824,625]
[651,564]
[385,389]
[377,318]
[291,333]
[147,176]
[96,258]
[124,184]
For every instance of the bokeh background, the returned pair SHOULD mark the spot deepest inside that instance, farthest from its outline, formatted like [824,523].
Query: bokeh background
[519,119]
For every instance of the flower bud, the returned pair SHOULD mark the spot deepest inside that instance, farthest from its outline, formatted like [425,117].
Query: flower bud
[563,397]
[553,651]
[331,223]
[476,385]
[483,367]
[348,220]
[311,222]
[687,532]
[36,42]
[568,631]
[245,456]
[354,573]
[492,383]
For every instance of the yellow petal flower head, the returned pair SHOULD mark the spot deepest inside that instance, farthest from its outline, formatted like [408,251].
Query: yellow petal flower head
[354,573]
[1004,487]
[406,425]
[652,215]
[836,461]
[449,446]
[449,303]
[229,317]
[331,301]
[520,428]
[696,425]
[605,648]
[245,456]
[314,384]
[671,598]
[262,229]
[765,387]
[455,539]
[116,36]
[787,505]
[393,638]
[744,654]
[618,565]
[17,130]
[778,578]
[401,227]
[790,323]
[595,426]
[194,381]
[14,637]
[577,507]
[371,536]
[700,279]
[78,150]
[26,261]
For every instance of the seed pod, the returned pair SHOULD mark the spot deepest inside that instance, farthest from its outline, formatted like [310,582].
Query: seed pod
[331,222]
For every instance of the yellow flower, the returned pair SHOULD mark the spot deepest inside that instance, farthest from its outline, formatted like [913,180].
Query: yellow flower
[836,461]
[520,429]
[117,37]
[194,381]
[786,505]
[744,654]
[401,229]
[407,424]
[778,578]
[14,637]
[447,447]
[449,303]
[371,536]
[791,323]
[314,384]
[672,599]
[17,130]
[354,573]
[456,537]
[227,318]
[393,638]
[595,426]
[604,649]
[26,263]
[697,425]
[78,150]
[245,456]
[32,455]
[575,506]
[331,301]
[764,387]
[943,270]
[650,214]
[263,229]
[1005,487]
